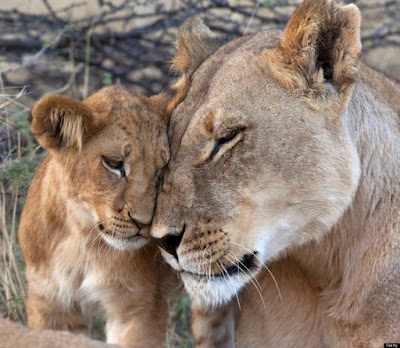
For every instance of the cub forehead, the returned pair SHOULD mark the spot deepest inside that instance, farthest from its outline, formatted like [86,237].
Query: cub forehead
[121,105]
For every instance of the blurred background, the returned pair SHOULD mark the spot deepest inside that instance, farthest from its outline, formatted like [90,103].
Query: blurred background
[76,47]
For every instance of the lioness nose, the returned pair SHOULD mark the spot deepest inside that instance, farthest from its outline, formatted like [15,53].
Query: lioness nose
[170,242]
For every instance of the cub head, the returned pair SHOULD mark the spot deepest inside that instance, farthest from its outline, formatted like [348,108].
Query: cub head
[109,151]
[261,160]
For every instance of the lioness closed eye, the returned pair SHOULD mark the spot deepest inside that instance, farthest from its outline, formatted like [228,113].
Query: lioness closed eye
[85,224]
[285,153]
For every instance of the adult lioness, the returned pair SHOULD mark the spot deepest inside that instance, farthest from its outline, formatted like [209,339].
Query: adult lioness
[287,151]
[85,224]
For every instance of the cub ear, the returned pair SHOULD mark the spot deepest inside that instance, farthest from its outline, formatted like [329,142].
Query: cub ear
[195,43]
[320,48]
[60,122]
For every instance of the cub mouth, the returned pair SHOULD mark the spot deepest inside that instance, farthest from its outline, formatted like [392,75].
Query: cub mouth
[121,241]
[117,235]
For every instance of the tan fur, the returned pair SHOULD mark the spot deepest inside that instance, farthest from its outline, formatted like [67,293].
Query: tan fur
[84,227]
[15,335]
[308,184]
[213,327]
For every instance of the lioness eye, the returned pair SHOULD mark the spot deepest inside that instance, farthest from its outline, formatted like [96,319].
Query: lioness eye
[115,166]
[228,135]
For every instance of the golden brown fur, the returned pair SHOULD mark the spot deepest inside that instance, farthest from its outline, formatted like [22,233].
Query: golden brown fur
[285,151]
[85,224]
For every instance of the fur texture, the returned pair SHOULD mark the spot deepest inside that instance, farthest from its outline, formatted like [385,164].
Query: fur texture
[85,224]
[15,335]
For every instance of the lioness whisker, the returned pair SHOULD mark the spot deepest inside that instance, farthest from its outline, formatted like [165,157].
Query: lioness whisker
[248,272]
[203,261]
[233,258]
[254,281]
[264,265]
[211,275]
[224,271]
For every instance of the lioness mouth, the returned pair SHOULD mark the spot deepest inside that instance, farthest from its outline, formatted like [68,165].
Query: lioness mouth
[247,263]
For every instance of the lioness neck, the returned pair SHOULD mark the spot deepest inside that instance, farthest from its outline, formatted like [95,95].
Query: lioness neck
[361,251]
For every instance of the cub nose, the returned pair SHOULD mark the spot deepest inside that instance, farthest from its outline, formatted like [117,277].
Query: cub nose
[170,242]
[138,223]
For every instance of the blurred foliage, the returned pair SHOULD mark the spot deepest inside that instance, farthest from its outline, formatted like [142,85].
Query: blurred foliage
[179,334]
[98,328]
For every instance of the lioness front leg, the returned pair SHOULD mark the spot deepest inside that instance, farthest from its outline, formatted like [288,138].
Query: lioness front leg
[214,328]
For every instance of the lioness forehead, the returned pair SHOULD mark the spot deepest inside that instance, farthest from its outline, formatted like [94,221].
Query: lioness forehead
[201,88]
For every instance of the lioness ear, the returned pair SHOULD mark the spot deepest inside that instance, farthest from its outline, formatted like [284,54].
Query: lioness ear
[60,122]
[320,49]
[195,43]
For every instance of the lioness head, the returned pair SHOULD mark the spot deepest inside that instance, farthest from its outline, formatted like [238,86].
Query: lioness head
[261,160]
[110,149]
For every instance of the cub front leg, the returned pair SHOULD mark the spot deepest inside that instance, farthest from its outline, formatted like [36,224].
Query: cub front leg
[136,321]
[45,313]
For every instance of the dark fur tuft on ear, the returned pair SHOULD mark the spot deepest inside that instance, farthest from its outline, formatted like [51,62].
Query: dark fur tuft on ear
[58,122]
[320,48]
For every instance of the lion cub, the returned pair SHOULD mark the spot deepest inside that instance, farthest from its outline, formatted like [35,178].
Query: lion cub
[85,224]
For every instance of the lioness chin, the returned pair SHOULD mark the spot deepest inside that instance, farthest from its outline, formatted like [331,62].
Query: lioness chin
[286,153]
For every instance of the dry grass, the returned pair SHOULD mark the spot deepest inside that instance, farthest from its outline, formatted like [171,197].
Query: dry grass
[12,283]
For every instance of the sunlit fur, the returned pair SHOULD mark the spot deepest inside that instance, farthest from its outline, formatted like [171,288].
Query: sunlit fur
[309,186]
[84,227]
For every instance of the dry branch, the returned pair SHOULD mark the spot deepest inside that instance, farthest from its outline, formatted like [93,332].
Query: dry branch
[136,53]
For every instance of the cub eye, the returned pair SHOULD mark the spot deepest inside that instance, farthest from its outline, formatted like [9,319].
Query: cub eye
[114,165]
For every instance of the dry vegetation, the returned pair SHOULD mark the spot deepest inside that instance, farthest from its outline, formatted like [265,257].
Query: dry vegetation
[81,46]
